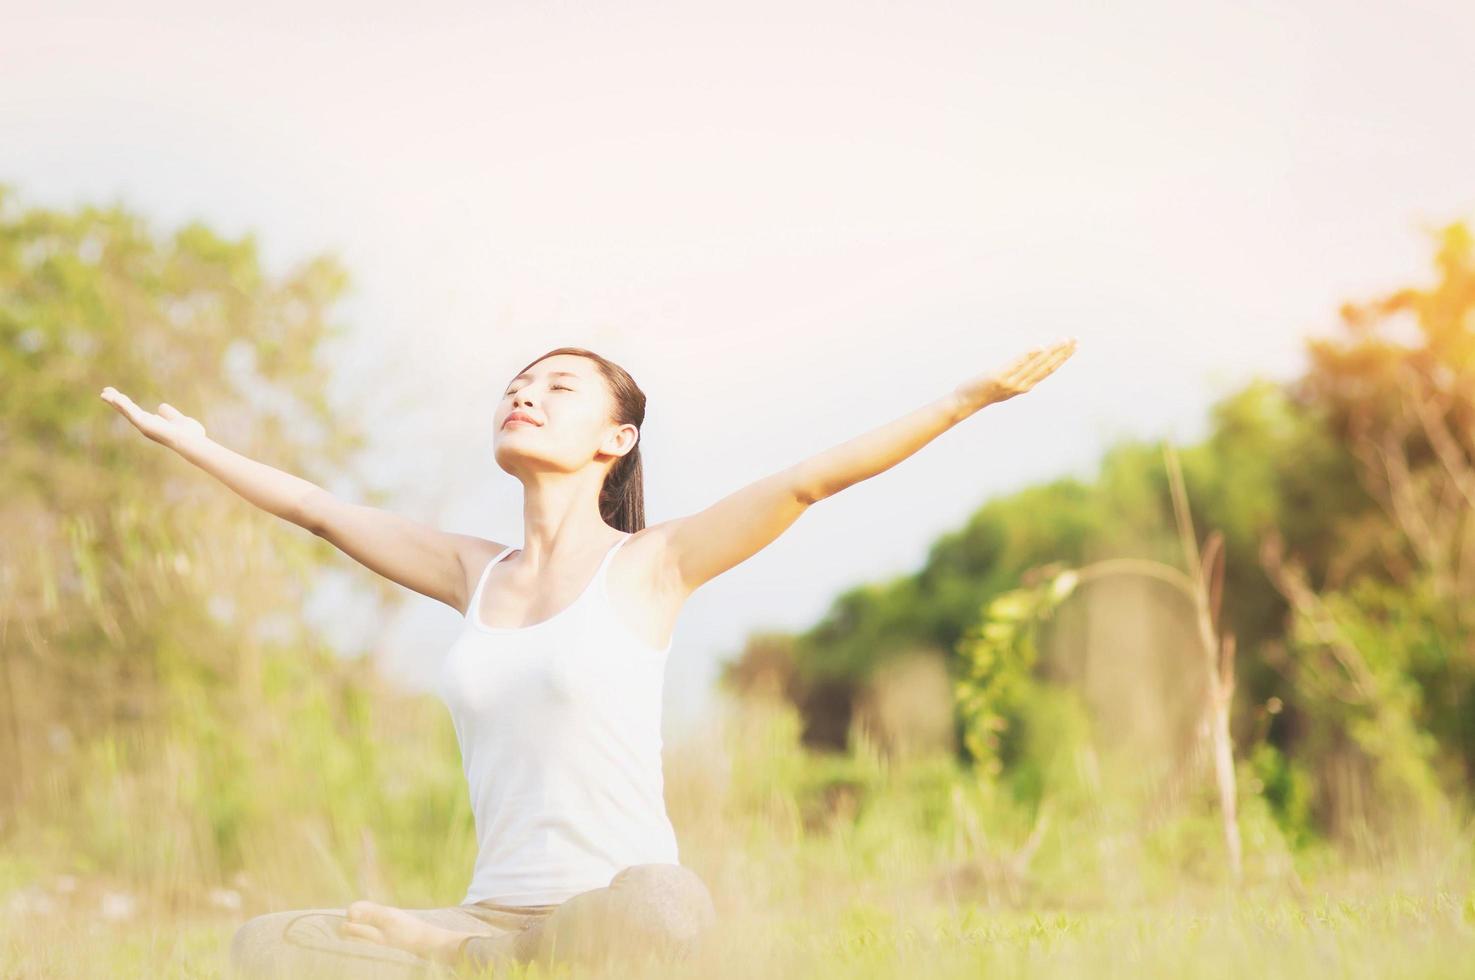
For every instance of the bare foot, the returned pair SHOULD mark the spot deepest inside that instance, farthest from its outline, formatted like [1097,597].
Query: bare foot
[392,926]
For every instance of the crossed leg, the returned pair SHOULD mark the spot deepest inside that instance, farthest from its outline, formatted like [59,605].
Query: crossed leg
[659,910]
[317,943]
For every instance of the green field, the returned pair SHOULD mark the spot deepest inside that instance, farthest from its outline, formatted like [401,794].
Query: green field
[822,865]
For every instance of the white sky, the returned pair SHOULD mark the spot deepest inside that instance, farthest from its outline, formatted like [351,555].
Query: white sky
[790,221]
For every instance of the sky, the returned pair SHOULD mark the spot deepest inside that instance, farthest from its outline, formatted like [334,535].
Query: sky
[791,222]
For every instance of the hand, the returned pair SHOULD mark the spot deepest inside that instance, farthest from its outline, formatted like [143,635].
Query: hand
[170,427]
[1026,371]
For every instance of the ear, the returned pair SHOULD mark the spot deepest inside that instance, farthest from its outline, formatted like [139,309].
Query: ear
[622,440]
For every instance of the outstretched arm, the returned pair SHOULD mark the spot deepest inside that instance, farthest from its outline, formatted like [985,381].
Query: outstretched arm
[422,558]
[703,545]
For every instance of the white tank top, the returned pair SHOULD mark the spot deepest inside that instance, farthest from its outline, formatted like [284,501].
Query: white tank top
[559,725]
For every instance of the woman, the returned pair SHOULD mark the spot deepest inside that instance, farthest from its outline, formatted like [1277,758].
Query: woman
[554,682]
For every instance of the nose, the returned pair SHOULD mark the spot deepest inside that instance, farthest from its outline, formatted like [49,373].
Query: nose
[520,403]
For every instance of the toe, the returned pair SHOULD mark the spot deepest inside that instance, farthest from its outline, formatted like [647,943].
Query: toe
[358,930]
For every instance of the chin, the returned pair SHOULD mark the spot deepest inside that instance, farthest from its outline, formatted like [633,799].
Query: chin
[509,456]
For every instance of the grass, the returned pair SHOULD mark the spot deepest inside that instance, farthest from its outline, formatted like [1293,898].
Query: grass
[821,865]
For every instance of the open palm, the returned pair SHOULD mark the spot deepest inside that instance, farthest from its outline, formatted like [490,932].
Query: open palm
[1022,374]
[168,427]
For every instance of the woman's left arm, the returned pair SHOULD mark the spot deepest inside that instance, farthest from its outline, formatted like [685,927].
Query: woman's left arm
[703,545]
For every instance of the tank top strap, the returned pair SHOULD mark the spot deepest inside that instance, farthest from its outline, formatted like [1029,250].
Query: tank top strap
[597,592]
[482,581]
[609,556]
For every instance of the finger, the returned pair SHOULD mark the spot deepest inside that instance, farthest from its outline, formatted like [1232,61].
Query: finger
[1027,366]
[127,403]
[1068,348]
[1025,369]
[1017,374]
[1063,351]
[1042,355]
[1020,360]
[1028,374]
[124,405]
[1019,367]
[170,412]
[1046,367]
[136,415]
[1040,373]
[1035,363]
[1049,364]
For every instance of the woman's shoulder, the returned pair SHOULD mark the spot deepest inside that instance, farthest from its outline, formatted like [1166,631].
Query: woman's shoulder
[475,554]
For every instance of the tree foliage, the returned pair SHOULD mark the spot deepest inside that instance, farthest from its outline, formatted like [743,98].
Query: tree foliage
[1345,500]
[144,606]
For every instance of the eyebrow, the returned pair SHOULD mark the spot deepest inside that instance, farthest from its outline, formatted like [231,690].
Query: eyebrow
[552,374]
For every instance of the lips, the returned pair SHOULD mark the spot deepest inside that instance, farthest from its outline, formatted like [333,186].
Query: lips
[519,417]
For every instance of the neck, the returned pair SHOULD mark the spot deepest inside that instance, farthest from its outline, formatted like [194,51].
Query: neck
[560,514]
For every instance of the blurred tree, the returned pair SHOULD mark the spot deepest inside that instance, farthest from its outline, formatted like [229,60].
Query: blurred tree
[1363,471]
[1382,646]
[138,595]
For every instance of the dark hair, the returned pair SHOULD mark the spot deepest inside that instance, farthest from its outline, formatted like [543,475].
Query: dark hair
[622,498]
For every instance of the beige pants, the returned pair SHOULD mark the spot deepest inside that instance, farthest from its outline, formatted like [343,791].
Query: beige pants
[308,942]
[661,908]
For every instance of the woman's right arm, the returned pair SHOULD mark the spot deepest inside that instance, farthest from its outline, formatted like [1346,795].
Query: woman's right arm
[422,558]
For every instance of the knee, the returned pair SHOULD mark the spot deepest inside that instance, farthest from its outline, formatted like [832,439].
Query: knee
[666,903]
[251,946]
[256,947]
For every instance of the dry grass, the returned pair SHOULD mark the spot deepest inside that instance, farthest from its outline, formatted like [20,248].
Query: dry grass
[821,866]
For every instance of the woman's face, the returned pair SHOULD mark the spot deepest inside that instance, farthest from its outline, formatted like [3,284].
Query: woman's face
[570,408]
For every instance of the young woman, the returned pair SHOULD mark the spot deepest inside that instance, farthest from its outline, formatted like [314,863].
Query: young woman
[554,682]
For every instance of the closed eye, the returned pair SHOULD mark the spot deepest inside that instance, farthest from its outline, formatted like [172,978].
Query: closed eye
[510,392]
